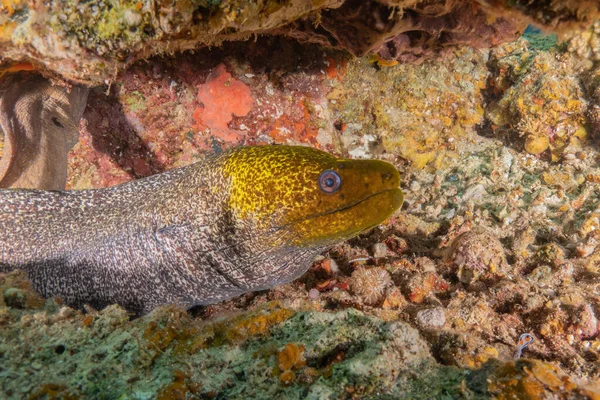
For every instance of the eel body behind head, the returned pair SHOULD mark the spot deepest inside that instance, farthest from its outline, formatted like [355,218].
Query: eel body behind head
[247,219]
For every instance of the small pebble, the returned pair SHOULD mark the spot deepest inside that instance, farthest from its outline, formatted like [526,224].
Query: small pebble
[132,18]
[66,312]
[334,267]
[379,250]
[313,294]
[431,318]
[474,253]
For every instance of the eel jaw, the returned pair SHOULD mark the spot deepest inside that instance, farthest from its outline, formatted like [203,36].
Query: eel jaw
[331,227]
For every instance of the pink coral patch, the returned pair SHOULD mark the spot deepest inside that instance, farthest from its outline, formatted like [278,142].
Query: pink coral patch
[222,97]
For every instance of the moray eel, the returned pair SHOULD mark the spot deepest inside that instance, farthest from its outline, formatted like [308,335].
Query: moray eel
[245,220]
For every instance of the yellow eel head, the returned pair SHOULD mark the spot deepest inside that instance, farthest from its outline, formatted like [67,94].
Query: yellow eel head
[309,197]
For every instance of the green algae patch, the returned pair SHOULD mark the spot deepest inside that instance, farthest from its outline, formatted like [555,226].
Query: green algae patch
[52,391]
[268,351]
[135,101]
[315,355]
[539,40]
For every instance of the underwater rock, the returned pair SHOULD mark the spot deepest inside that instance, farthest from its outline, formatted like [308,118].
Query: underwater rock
[296,355]
[91,42]
[432,318]
[474,254]
[153,119]
[113,356]
[15,298]
[539,95]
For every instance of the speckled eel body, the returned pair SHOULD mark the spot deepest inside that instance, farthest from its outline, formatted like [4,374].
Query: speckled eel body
[247,219]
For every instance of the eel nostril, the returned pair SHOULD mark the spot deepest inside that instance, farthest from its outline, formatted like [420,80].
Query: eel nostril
[57,122]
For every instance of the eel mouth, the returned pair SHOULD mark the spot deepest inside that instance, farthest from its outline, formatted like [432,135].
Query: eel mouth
[359,202]
[319,231]
[347,221]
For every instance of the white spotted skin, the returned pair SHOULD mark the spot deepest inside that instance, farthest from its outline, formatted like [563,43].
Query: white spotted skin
[166,239]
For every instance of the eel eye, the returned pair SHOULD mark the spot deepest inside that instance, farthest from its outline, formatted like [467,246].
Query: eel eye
[330,181]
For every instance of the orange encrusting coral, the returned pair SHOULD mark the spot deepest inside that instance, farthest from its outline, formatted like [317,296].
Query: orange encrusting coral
[257,323]
[335,71]
[53,391]
[16,67]
[7,10]
[291,357]
[222,97]
[235,330]
[10,6]
[532,379]
[180,388]
[6,31]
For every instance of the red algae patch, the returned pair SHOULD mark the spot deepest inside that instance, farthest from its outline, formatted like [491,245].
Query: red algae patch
[222,97]
[296,125]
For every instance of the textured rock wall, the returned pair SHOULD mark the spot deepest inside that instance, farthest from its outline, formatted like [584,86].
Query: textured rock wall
[91,42]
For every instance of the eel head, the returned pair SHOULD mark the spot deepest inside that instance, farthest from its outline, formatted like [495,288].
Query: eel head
[307,198]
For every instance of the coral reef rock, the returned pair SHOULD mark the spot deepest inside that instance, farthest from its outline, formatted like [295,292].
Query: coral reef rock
[268,350]
[90,42]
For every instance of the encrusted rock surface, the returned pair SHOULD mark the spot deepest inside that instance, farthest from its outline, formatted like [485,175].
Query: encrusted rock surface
[272,349]
[91,42]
